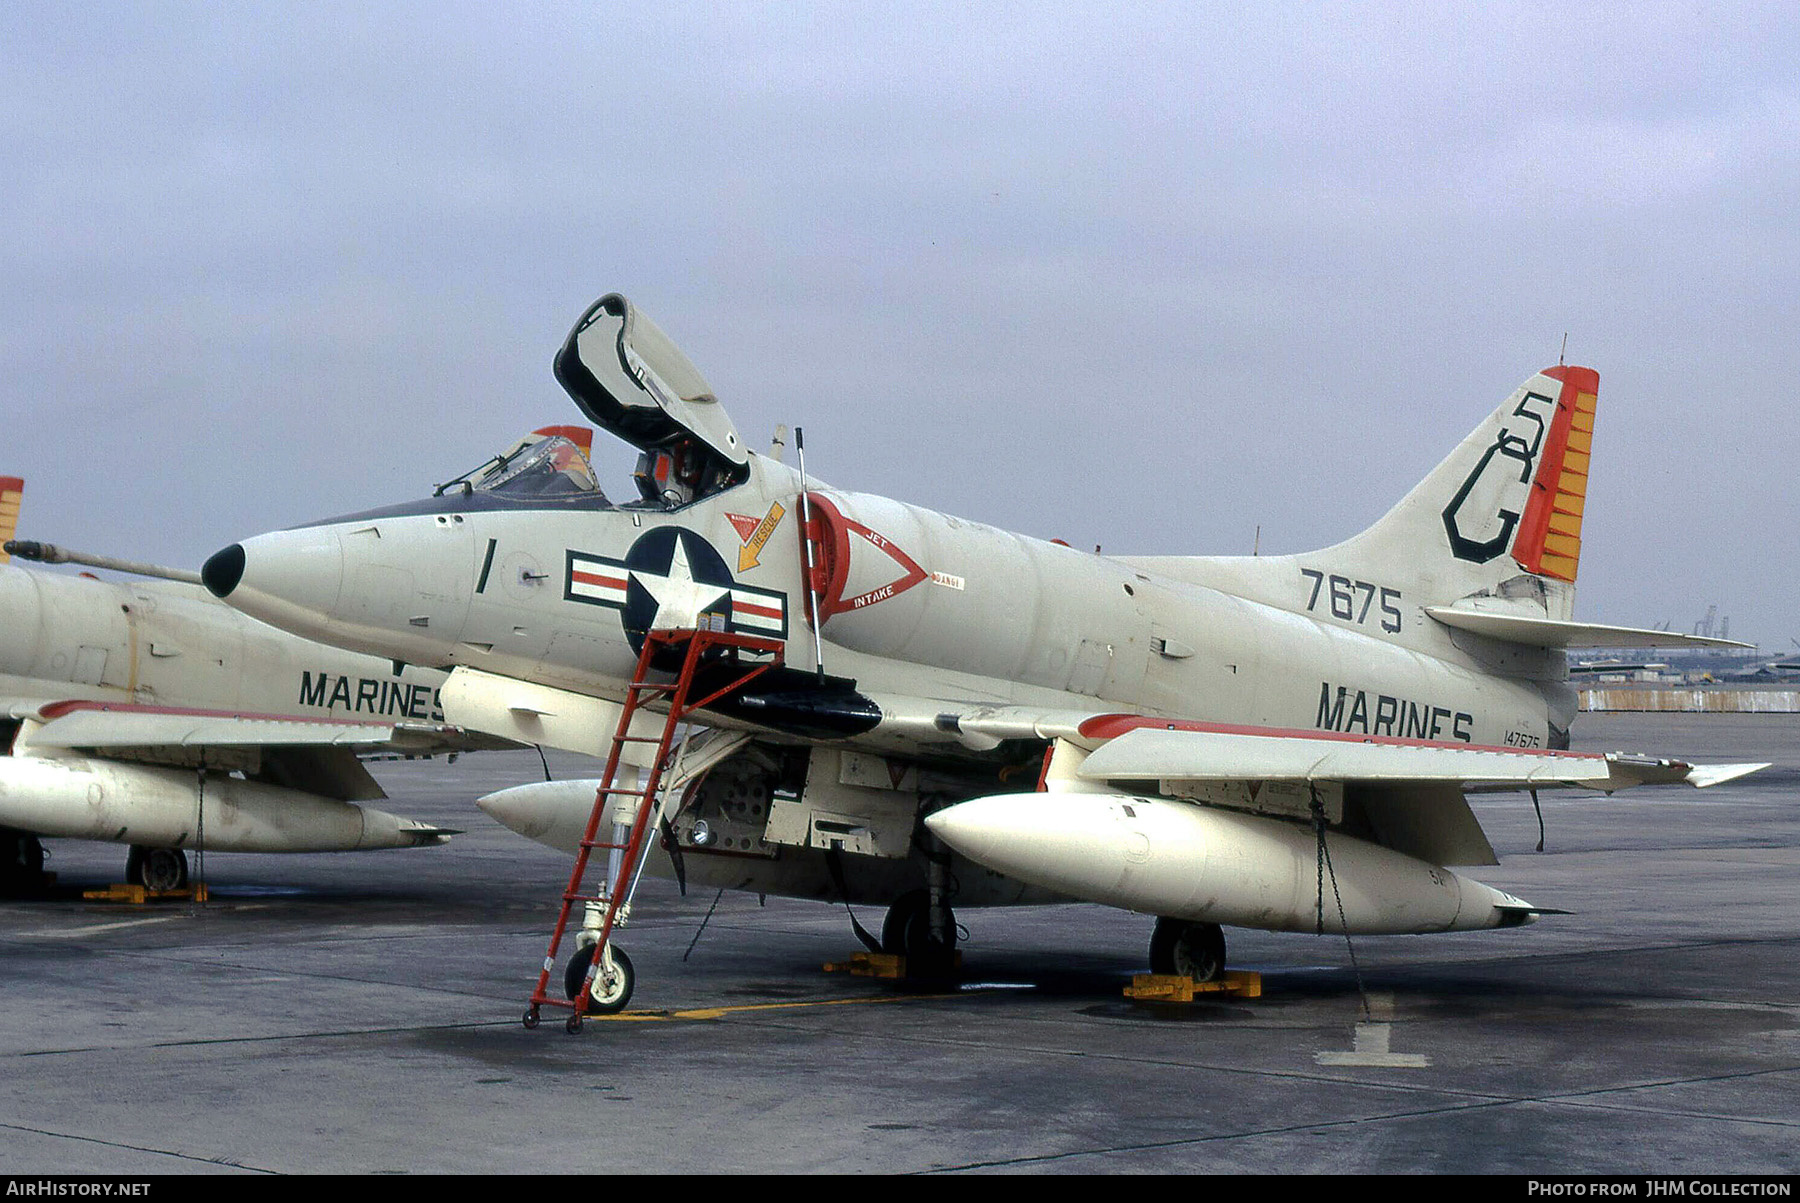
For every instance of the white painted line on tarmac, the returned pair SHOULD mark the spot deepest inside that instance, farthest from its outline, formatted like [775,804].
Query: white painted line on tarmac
[1370,1044]
[70,933]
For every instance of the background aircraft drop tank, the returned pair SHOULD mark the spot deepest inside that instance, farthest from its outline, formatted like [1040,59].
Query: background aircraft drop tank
[82,798]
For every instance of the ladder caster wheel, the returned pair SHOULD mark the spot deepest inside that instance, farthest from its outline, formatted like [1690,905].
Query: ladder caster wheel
[531,1018]
[572,1024]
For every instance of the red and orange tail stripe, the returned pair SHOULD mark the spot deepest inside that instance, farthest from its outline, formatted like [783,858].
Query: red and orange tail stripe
[1549,540]
[12,491]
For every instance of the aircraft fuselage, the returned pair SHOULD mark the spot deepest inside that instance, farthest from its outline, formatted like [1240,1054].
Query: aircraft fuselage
[915,604]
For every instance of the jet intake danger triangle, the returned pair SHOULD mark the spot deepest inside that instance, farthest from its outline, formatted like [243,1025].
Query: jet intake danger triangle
[912,574]
[835,531]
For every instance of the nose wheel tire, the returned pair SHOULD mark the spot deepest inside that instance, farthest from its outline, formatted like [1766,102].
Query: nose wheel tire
[1185,949]
[609,995]
[576,970]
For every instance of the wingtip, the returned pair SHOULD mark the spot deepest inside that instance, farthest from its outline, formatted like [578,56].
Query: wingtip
[1700,776]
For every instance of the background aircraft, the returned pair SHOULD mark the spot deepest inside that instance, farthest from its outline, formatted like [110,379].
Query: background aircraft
[978,717]
[123,704]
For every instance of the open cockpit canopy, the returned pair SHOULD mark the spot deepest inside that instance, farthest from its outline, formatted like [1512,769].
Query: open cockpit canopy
[632,381]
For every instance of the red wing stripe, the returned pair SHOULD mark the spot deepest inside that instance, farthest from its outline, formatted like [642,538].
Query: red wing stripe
[56,710]
[594,578]
[1111,726]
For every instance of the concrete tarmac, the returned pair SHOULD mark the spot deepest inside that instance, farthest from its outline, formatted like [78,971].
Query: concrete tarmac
[360,1014]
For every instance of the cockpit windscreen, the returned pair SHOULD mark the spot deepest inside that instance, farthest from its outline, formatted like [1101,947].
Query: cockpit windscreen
[543,468]
[554,467]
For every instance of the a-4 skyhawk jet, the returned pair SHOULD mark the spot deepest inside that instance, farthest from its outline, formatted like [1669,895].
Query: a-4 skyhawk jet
[999,719]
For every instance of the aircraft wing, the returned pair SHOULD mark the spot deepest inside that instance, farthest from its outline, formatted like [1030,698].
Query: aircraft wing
[1195,752]
[104,725]
[317,755]
[1125,747]
[1408,795]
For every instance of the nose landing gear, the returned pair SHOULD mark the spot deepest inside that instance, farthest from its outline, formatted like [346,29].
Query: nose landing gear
[613,981]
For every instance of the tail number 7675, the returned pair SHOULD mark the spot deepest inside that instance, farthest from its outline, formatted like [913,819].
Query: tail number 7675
[1352,601]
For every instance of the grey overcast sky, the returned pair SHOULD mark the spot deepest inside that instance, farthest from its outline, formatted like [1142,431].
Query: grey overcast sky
[1144,276]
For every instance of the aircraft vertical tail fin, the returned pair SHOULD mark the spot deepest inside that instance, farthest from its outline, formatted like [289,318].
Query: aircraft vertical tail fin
[12,491]
[1501,516]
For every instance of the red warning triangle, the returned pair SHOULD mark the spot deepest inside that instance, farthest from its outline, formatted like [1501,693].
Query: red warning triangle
[744,525]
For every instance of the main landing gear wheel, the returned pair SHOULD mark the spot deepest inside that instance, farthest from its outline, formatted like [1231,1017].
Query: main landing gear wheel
[907,932]
[156,868]
[1184,949]
[609,995]
[21,863]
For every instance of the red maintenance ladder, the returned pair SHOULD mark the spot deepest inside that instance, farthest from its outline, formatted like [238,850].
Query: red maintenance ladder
[610,965]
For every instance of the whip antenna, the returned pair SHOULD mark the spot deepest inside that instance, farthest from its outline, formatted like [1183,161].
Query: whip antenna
[812,593]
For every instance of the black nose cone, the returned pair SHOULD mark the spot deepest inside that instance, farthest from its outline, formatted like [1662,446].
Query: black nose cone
[222,573]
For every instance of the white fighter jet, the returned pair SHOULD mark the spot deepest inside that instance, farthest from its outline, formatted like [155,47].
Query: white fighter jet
[148,714]
[982,718]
